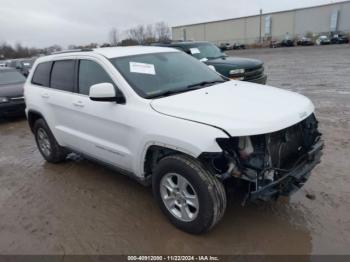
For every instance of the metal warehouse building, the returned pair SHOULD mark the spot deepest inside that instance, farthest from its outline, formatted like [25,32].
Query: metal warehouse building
[277,25]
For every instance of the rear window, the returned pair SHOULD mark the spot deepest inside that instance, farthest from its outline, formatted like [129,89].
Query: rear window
[41,75]
[62,75]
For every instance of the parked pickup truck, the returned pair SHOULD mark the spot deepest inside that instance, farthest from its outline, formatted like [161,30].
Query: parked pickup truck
[237,68]
[162,117]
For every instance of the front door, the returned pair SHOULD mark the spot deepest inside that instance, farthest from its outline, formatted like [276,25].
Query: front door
[100,128]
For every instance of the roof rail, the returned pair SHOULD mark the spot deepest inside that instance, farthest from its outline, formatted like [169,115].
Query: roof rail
[72,51]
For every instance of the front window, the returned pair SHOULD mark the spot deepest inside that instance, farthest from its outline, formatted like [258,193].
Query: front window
[8,77]
[205,51]
[161,74]
[91,73]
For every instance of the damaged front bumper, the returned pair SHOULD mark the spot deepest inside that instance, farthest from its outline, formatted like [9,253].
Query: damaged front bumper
[290,181]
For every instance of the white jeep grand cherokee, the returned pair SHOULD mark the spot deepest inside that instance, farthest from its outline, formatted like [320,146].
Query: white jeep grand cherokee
[166,119]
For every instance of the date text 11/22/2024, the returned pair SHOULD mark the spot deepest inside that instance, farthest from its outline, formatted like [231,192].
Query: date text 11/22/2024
[173,258]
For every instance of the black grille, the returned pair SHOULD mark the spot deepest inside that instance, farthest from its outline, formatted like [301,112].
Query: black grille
[254,73]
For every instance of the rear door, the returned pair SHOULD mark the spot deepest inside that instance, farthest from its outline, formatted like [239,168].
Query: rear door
[59,98]
[38,97]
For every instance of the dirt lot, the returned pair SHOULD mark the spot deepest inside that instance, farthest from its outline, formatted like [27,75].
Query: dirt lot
[82,208]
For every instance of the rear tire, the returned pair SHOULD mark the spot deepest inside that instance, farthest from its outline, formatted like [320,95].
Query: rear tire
[47,144]
[203,201]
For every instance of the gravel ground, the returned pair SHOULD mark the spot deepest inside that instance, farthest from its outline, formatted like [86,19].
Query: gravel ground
[82,208]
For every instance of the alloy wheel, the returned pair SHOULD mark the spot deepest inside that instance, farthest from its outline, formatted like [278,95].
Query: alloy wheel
[179,197]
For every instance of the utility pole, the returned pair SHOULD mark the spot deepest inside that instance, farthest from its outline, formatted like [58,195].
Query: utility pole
[260,39]
[184,34]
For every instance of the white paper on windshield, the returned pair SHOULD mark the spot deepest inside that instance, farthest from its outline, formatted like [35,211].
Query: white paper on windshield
[204,59]
[142,68]
[194,51]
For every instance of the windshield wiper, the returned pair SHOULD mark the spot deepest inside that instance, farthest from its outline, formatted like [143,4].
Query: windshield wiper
[188,88]
[204,83]
[168,93]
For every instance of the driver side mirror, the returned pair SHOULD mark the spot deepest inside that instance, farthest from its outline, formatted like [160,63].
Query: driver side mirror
[105,92]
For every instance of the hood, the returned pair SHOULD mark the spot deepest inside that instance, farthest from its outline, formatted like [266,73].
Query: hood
[239,108]
[236,62]
[11,90]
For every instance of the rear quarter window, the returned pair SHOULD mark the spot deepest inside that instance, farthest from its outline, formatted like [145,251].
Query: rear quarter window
[41,75]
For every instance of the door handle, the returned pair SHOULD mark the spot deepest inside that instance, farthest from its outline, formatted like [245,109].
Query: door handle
[45,95]
[78,104]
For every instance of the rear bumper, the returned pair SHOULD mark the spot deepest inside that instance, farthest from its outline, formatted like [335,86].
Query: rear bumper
[12,108]
[291,181]
[261,80]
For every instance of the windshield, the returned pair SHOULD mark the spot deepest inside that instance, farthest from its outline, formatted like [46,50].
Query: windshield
[11,77]
[160,74]
[205,51]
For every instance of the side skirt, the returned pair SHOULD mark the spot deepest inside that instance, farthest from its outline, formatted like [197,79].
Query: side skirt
[143,181]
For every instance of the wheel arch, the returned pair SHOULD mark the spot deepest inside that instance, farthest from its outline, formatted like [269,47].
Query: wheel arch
[32,117]
[154,152]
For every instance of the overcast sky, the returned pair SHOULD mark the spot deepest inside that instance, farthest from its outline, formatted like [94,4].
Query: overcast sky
[42,23]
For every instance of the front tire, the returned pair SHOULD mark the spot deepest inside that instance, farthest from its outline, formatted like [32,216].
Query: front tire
[192,198]
[47,144]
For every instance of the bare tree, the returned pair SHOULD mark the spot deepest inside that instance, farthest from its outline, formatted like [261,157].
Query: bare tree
[137,33]
[20,51]
[150,36]
[52,49]
[162,31]
[132,34]
[113,36]
[149,32]
[72,47]
[128,42]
